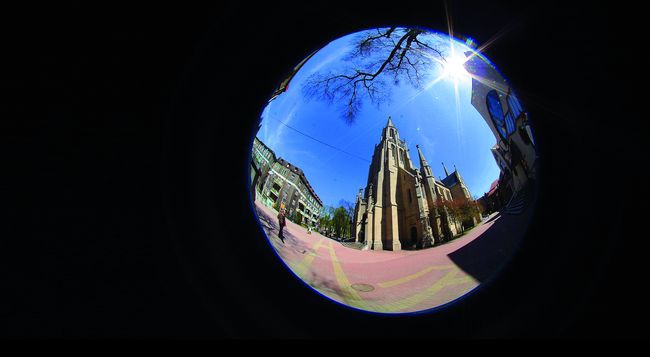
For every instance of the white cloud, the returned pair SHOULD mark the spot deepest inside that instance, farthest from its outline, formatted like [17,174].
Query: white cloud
[334,56]
[275,134]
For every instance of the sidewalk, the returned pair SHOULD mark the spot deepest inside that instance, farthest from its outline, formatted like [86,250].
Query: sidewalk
[379,281]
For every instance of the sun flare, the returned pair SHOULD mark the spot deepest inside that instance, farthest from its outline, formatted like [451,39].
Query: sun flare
[454,67]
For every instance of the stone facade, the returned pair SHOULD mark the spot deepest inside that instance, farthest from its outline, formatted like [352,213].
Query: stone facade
[398,208]
[280,182]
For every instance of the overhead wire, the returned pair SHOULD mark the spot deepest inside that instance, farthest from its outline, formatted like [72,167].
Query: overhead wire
[321,142]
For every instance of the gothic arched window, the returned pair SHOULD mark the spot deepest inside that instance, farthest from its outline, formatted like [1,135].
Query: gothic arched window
[514,106]
[514,110]
[496,112]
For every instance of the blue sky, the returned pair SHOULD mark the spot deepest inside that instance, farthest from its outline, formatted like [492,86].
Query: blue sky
[455,135]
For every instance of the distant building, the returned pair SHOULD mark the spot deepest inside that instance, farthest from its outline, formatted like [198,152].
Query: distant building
[492,200]
[276,182]
[262,159]
[495,100]
[401,205]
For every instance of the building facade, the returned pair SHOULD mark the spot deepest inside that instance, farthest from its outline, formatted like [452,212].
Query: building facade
[496,102]
[401,204]
[281,183]
[492,200]
[262,159]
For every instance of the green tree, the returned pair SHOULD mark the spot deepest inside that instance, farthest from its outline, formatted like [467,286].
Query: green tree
[295,217]
[337,219]
[341,222]
[325,220]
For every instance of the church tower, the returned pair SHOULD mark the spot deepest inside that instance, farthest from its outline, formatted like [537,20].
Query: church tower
[393,214]
[403,207]
[435,192]
[388,157]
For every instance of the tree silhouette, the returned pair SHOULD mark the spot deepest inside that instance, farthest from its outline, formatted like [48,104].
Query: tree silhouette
[379,60]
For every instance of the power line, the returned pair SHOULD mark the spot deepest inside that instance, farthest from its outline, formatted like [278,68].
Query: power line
[324,143]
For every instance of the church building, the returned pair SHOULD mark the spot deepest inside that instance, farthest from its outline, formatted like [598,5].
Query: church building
[399,207]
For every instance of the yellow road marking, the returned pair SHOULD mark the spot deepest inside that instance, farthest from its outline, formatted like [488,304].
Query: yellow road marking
[326,247]
[391,283]
[301,268]
[318,244]
[462,280]
[350,296]
[448,280]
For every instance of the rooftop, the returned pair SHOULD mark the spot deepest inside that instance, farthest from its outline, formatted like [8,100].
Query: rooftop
[300,173]
[450,180]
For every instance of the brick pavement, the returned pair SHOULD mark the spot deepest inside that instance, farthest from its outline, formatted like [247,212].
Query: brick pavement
[382,281]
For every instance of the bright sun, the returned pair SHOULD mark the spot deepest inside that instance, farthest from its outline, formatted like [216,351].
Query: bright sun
[454,67]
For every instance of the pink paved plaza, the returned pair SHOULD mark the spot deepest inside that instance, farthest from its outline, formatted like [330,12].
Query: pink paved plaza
[378,281]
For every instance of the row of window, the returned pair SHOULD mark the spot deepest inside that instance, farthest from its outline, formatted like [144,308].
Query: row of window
[276,186]
[284,171]
[444,193]
[393,150]
[263,150]
[504,122]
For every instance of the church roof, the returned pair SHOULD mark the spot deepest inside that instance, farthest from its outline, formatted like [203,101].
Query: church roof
[450,180]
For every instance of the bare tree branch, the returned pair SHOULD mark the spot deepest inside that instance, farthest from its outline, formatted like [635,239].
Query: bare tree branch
[394,53]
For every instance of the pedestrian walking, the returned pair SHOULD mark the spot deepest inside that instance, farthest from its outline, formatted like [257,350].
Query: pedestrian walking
[281,223]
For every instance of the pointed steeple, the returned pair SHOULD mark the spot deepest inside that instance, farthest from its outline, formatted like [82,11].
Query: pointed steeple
[446,173]
[460,179]
[390,131]
[425,169]
[423,161]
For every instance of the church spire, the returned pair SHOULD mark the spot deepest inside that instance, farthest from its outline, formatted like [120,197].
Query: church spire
[390,131]
[458,174]
[446,173]
[423,161]
[424,166]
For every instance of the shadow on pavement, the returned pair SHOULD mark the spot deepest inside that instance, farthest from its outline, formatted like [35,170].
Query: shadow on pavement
[488,252]
[324,285]
[271,229]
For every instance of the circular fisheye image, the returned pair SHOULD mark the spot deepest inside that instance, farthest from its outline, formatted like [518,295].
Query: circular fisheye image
[394,170]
